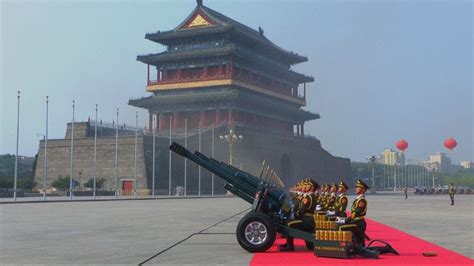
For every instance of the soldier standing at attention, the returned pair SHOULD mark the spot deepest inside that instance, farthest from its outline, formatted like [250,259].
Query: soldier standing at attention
[406,192]
[451,193]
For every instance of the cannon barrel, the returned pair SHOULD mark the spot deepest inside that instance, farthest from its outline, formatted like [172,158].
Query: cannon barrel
[240,183]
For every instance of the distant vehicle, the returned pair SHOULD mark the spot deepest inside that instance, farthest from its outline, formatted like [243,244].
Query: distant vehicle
[445,189]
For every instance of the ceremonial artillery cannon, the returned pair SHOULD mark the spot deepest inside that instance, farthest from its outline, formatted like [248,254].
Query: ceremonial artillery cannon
[271,206]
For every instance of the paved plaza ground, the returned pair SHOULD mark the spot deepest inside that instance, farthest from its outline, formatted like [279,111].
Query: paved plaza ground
[190,231]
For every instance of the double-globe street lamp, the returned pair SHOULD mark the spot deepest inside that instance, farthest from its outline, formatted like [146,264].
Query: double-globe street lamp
[231,139]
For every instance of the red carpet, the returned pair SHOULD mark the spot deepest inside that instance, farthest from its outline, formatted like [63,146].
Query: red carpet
[410,248]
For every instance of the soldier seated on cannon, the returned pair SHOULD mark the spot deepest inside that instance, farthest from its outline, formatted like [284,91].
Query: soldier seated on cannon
[340,206]
[357,225]
[323,198]
[331,200]
[304,214]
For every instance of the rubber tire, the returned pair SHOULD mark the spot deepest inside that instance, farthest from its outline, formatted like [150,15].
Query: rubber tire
[259,217]
[309,245]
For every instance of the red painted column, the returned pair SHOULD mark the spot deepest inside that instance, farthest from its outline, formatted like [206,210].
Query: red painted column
[302,130]
[205,72]
[297,130]
[178,74]
[165,74]
[235,116]
[218,117]
[158,75]
[161,122]
[175,120]
[203,119]
[229,117]
[219,71]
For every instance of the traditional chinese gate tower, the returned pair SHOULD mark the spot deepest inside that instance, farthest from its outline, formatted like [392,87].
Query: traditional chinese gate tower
[217,71]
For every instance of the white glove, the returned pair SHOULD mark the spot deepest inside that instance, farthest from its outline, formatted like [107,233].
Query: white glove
[340,221]
[329,213]
[318,207]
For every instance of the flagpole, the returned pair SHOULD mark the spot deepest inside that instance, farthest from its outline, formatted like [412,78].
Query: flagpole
[136,144]
[153,164]
[169,166]
[212,175]
[72,151]
[116,154]
[199,168]
[185,160]
[94,172]
[17,142]
[45,177]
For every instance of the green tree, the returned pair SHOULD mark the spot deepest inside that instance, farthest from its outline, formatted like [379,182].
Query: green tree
[99,183]
[6,182]
[26,183]
[62,183]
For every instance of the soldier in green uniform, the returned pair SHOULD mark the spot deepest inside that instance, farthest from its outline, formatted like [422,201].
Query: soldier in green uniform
[304,219]
[451,193]
[357,225]
[356,222]
[317,195]
[331,200]
[323,198]
[340,206]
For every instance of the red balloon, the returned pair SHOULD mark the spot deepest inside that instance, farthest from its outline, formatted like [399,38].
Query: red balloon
[450,144]
[402,145]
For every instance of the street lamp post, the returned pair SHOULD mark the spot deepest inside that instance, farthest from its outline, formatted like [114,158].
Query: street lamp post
[372,160]
[433,176]
[231,138]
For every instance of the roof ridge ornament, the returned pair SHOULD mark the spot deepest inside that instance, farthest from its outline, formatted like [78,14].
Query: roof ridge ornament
[260,30]
[199,2]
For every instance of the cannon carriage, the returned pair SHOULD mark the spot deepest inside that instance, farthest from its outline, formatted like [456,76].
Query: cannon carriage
[271,208]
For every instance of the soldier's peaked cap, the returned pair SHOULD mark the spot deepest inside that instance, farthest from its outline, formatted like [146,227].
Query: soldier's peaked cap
[360,183]
[342,184]
[313,183]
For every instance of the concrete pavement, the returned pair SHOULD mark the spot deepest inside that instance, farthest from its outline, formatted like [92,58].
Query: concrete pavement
[190,231]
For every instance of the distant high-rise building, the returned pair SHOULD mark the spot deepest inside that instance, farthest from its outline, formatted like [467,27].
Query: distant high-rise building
[391,157]
[439,162]
[467,164]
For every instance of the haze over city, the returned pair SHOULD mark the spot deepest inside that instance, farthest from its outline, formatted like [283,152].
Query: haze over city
[383,70]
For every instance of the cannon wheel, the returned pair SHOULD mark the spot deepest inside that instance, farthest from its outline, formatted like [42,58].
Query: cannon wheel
[256,232]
